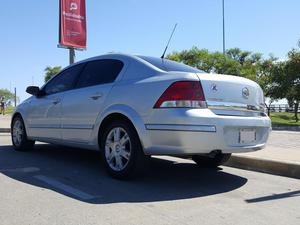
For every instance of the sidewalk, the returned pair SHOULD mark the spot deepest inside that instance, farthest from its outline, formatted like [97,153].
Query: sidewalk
[280,157]
[283,145]
[5,123]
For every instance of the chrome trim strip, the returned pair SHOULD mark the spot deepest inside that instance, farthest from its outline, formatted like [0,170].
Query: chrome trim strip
[172,127]
[234,106]
[75,126]
[47,126]
[78,126]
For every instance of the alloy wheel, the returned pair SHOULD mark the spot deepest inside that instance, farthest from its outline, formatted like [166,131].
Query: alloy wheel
[18,132]
[117,149]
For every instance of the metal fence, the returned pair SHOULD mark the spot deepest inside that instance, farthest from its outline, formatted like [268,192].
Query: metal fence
[282,108]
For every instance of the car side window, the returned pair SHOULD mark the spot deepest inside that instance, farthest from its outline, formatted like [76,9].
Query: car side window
[63,81]
[99,72]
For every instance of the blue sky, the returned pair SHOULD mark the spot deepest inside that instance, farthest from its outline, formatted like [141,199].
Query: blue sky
[29,31]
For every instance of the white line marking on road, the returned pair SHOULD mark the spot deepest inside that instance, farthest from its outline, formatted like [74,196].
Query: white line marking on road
[21,170]
[64,187]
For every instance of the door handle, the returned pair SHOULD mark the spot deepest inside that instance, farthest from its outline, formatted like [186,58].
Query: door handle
[96,96]
[56,101]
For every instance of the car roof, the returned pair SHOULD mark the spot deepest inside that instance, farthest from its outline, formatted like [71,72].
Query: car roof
[154,63]
[111,56]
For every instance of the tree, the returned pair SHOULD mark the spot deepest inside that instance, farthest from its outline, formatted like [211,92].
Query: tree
[214,62]
[285,80]
[234,62]
[291,80]
[9,96]
[265,74]
[51,71]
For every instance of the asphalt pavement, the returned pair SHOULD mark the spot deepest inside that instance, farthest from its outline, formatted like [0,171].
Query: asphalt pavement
[58,185]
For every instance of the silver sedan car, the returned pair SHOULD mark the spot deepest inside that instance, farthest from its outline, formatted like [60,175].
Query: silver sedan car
[130,107]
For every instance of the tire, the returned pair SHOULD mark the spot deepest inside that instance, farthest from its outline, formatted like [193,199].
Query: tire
[18,135]
[121,150]
[211,161]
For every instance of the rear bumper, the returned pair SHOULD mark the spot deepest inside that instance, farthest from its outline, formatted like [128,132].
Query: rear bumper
[204,132]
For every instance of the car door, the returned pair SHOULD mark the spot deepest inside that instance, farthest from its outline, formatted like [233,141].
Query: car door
[44,114]
[82,105]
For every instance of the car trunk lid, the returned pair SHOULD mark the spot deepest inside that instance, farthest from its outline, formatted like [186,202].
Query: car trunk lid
[232,95]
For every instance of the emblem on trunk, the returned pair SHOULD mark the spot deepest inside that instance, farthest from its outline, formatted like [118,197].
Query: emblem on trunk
[245,92]
[214,88]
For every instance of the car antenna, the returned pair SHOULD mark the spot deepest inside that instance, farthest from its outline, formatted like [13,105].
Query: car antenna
[163,55]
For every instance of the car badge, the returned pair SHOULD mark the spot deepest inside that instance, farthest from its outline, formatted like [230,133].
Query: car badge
[214,88]
[245,92]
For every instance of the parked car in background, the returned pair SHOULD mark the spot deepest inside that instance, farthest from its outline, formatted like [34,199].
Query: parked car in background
[129,107]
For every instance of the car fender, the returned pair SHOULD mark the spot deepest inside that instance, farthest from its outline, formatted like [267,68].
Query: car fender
[131,114]
[21,110]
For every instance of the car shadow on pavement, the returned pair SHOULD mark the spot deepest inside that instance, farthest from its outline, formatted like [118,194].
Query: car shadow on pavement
[80,174]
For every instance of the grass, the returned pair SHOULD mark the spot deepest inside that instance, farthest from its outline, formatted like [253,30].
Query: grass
[284,119]
[9,110]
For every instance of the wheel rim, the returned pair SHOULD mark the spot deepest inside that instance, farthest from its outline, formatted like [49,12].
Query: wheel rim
[117,149]
[18,132]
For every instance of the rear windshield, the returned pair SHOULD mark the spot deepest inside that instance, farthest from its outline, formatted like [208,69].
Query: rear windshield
[169,65]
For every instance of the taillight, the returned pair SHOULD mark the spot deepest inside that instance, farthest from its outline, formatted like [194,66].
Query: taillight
[182,94]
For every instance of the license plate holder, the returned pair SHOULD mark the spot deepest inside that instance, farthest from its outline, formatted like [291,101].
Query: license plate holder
[247,136]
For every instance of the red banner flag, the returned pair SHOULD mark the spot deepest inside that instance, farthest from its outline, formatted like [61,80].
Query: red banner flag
[72,23]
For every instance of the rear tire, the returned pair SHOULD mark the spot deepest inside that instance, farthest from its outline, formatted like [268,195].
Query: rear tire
[19,136]
[211,161]
[121,150]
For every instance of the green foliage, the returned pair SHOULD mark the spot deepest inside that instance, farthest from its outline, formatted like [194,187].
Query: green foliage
[292,81]
[9,109]
[51,71]
[264,76]
[275,84]
[234,62]
[7,94]
[289,79]
[284,80]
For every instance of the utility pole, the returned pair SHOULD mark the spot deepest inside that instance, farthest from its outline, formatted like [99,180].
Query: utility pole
[15,97]
[71,55]
[223,10]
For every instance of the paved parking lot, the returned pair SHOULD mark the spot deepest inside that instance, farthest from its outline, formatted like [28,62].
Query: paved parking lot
[57,185]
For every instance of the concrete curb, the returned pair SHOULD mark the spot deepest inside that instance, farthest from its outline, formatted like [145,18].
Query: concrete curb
[287,169]
[4,130]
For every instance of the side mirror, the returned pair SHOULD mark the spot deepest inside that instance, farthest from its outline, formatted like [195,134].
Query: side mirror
[34,90]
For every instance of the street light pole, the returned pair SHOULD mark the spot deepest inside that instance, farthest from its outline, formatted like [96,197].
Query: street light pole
[223,27]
